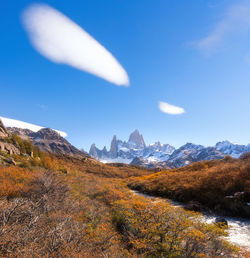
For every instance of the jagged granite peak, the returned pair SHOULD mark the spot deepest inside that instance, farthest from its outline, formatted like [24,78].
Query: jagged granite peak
[104,151]
[113,147]
[232,149]
[191,146]
[136,140]
[97,153]
[93,151]
[122,151]
[47,134]
[157,146]
[164,155]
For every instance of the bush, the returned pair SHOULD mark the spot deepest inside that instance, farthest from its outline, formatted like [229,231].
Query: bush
[207,182]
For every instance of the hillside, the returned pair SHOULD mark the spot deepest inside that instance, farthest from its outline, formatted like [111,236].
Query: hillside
[221,185]
[48,140]
[64,206]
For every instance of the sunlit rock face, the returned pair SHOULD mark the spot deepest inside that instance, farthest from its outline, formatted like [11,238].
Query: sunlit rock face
[48,140]
[135,147]
[5,146]
[232,149]
[3,131]
[136,140]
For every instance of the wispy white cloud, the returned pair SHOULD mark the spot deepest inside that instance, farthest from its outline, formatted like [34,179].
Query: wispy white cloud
[8,122]
[236,19]
[61,40]
[170,109]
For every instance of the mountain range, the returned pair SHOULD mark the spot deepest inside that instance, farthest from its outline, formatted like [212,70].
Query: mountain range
[134,151]
[157,155]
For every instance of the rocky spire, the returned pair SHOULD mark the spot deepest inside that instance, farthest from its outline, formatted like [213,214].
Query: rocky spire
[136,140]
[93,151]
[113,147]
[104,151]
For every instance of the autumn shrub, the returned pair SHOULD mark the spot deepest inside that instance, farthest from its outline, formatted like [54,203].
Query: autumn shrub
[89,212]
[159,230]
[208,182]
[43,221]
[14,181]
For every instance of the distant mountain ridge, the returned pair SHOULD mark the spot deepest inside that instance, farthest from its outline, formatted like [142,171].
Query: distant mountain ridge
[158,155]
[48,140]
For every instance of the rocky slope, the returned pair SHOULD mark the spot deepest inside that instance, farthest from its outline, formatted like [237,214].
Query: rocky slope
[5,144]
[48,140]
[158,155]
[3,130]
[229,148]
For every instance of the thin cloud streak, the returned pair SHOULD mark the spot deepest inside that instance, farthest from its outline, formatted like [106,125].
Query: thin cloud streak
[61,40]
[8,122]
[170,109]
[236,19]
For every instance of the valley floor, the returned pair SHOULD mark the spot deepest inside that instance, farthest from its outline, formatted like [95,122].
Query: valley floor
[57,206]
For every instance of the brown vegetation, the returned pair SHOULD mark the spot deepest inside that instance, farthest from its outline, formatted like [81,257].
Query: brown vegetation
[219,184]
[58,206]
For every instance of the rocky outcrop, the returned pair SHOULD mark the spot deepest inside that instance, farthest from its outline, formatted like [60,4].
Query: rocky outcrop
[5,146]
[23,133]
[221,222]
[3,131]
[9,148]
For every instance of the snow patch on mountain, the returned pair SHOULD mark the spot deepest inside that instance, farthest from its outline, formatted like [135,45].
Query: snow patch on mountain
[116,160]
[8,122]
[136,152]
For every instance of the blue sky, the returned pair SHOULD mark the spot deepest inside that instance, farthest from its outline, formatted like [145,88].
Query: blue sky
[193,54]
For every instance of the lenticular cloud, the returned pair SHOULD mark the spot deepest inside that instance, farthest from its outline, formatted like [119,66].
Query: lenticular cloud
[170,109]
[61,40]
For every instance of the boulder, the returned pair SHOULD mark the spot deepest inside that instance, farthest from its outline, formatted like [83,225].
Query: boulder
[221,221]
[194,206]
[12,161]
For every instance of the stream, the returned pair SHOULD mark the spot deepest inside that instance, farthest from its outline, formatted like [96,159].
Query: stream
[238,228]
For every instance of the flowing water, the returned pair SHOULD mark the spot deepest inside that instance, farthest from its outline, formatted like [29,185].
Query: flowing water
[238,228]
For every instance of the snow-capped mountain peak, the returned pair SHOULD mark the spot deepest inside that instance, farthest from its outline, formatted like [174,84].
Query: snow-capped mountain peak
[232,149]
[160,155]
[136,140]
[122,151]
